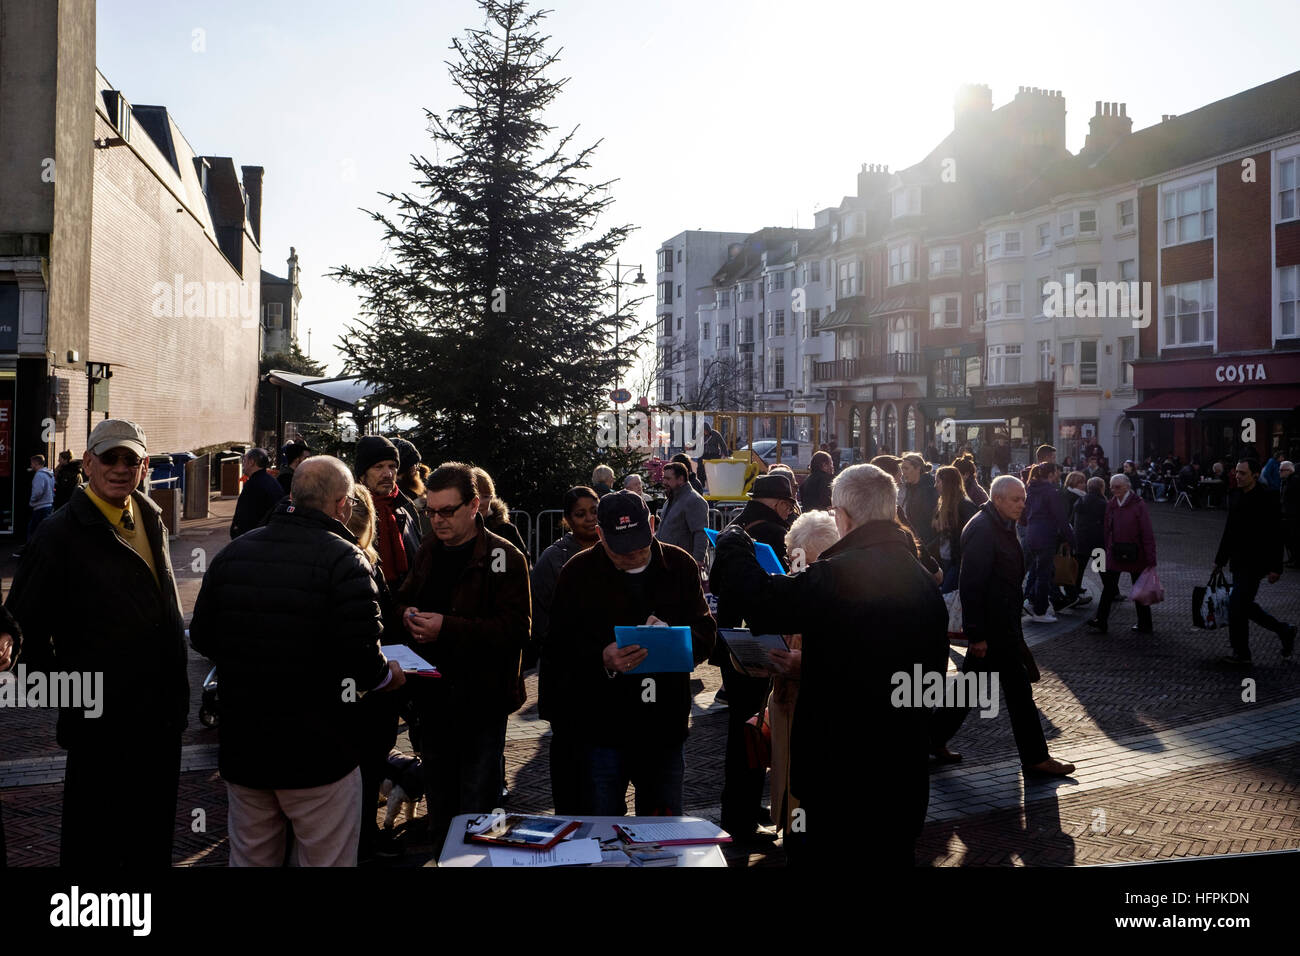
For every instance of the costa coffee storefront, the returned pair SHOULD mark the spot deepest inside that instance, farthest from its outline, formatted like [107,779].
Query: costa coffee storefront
[1204,406]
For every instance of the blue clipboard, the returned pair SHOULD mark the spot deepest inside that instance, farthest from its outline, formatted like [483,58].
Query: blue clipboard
[669,647]
[767,559]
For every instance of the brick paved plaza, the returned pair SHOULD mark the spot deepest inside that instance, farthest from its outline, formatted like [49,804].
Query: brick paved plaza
[1171,761]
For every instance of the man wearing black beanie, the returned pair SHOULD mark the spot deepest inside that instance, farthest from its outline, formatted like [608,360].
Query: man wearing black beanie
[397,529]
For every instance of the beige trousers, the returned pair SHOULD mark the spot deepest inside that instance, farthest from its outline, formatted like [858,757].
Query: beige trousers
[326,823]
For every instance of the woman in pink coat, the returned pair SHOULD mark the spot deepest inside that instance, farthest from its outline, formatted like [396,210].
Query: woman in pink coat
[1130,546]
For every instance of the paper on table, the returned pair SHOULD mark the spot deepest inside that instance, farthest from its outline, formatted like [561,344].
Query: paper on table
[690,831]
[564,853]
[407,659]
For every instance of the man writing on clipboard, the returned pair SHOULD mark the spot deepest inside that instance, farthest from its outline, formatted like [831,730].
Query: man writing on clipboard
[631,726]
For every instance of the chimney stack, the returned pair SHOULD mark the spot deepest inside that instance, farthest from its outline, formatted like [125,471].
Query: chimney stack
[1109,124]
[253,189]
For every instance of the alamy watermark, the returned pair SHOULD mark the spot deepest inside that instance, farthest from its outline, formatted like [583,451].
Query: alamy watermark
[1100,300]
[73,690]
[205,300]
[977,690]
[637,429]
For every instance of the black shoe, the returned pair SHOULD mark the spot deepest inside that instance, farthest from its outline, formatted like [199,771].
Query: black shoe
[1288,641]
[1096,625]
[1235,661]
[945,756]
[1138,629]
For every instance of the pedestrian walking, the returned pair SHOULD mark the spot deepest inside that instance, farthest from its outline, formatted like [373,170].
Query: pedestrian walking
[289,613]
[630,727]
[67,479]
[1289,498]
[815,492]
[580,523]
[992,569]
[919,498]
[1130,547]
[951,515]
[1046,527]
[1089,523]
[685,514]
[866,599]
[1251,547]
[96,588]
[259,496]
[42,497]
[466,606]
[970,480]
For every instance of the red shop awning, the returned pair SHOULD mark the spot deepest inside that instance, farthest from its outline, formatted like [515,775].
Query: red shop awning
[1264,399]
[1175,400]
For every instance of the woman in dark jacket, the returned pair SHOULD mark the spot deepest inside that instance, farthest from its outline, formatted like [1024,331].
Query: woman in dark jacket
[495,512]
[1045,527]
[1130,547]
[951,514]
[815,492]
[919,498]
[579,506]
[966,466]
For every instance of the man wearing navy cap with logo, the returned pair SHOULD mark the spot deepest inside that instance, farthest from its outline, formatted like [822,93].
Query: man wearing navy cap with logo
[631,726]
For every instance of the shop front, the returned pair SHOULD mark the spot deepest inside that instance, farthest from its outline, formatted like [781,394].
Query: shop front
[1027,410]
[949,409]
[1219,407]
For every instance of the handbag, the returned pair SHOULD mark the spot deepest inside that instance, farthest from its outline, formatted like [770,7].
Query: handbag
[758,740]
[1125,551]
[953,600]
[1066,570]
[1147,589]
[1210,602]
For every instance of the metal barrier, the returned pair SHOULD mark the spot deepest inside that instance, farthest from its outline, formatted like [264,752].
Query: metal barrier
[547,530]
[523,522]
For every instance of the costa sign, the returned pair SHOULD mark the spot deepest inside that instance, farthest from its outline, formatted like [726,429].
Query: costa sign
[1240,373]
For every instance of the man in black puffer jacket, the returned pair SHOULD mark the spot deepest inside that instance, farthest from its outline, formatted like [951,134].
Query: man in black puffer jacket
[290,615]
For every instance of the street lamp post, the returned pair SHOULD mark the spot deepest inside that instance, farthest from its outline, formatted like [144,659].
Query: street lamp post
[618,319]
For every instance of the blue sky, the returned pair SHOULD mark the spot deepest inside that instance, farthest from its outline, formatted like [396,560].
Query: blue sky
[714,114]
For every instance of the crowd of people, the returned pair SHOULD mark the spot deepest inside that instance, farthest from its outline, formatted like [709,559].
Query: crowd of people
[331,562]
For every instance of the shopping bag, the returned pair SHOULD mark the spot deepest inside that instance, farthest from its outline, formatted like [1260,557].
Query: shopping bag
[1210,603]
[1066,567]
[1147,589]
[953,600]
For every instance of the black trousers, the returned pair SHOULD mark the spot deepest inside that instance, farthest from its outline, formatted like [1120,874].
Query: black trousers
[742,786]
[1006,662]
[566,771]
[1110,591]
[462,753]
[1242,609]
[119,802]
[379,714]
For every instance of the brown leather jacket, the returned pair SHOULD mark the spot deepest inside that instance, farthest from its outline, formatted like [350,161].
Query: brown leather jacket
[480,647]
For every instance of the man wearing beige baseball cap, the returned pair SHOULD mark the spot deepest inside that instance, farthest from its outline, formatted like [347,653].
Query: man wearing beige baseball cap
[95,594]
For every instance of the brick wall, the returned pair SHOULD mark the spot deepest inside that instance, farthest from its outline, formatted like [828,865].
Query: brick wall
[189,381]
[1187,262]
[1245,279]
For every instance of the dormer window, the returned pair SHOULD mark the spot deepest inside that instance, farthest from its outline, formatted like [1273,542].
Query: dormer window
[907,201]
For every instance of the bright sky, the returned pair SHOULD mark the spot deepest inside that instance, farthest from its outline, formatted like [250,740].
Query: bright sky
[714,114]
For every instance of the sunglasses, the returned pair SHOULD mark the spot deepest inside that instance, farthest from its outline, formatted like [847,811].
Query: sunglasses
[111,458]
[449,512]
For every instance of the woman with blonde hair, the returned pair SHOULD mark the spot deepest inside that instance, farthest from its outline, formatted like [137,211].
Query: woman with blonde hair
[808,537]
[495,512]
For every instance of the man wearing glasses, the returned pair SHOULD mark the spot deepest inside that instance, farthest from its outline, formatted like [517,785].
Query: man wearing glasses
[467,607]
[95,594]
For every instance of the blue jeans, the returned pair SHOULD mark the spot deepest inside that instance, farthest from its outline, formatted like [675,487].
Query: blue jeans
[38,515]
[656,770]
[1042,569]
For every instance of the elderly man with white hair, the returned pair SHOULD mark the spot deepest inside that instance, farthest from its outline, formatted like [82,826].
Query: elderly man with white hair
[867,611]
[992,567]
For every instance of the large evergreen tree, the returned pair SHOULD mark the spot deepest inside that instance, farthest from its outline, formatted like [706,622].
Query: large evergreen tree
[489,321]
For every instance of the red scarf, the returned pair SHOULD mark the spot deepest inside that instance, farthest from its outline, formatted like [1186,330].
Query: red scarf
[392,551]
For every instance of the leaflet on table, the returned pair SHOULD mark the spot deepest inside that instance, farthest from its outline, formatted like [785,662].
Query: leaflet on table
[408,660]
[669,647]
[519,830]
[671,834]
[565,853]
[750,650]
[767,559]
